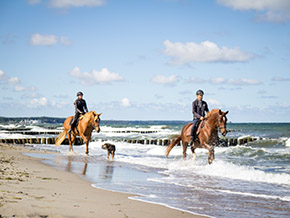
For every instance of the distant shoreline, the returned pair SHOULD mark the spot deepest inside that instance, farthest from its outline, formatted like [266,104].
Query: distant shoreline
[60,120]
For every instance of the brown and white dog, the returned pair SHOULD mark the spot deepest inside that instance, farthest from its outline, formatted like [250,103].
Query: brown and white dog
[110,148]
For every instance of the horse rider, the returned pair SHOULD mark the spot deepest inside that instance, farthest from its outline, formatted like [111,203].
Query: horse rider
[199,107]
[80,109]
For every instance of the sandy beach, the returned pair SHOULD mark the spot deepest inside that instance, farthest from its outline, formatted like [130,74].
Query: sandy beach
[29,188]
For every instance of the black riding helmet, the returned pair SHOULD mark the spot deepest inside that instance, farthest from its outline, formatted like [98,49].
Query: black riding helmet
[80,93]
[199,92]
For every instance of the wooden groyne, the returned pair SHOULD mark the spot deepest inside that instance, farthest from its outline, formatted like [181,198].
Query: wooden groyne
[78,141]
[223,142]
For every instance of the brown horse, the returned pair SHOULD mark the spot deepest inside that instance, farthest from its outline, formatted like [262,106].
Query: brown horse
[208,134]
[87,123]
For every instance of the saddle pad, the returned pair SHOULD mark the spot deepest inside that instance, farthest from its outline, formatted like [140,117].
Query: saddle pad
[188,131]
[80,118]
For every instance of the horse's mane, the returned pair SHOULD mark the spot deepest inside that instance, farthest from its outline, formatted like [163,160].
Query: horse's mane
[87,116]
[212,112]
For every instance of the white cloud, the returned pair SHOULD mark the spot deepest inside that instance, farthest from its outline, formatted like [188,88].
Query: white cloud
[2,75]
[13,80]
[244,82]
[214,103]
[37,102]
[161,79]
[218,80]
[272,10]
[204,52]
[196,80]
[224,81]
[23,89]
[96,77]
[76,3]
[125,102]
[37,39]
[280,79]
[47,40]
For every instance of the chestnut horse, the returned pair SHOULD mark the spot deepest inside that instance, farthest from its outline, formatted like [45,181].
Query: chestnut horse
[87,123]
[208,134]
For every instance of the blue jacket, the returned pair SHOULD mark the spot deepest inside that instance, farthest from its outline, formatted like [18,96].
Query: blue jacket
[197,110]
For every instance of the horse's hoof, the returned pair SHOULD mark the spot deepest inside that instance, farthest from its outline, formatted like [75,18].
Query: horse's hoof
[194,156]
[71,153]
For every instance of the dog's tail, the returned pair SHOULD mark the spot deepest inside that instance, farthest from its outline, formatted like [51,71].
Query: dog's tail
[175,141]
[60,138]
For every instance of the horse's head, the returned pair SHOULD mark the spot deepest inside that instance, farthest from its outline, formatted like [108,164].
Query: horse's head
[96,121]
[222,122]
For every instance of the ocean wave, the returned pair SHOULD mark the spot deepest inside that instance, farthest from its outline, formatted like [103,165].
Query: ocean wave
[284,198]
[287,142]
[224,169]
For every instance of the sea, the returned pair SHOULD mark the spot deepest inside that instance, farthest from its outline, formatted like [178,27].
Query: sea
[250,180]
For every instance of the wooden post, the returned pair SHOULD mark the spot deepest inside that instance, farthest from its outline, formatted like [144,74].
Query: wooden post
[235,142]
[241,141]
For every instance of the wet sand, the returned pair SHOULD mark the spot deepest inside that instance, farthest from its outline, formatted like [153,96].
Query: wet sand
[29,188]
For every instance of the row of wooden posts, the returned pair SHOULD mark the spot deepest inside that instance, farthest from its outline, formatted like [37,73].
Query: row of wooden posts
[224,142]
[78,141]
[162,142]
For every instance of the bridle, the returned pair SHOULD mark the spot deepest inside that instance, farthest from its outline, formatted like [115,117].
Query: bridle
[96,123]
[219,124]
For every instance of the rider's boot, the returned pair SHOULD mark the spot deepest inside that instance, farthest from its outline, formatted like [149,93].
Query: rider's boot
[71,129]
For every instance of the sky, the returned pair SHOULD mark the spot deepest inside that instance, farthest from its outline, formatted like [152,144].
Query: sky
[145,59]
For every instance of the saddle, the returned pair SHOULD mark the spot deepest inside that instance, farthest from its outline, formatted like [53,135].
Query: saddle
[77,122]
[200,126]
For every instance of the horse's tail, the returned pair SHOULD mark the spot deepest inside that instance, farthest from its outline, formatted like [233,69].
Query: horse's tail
[175,141]
[60,138]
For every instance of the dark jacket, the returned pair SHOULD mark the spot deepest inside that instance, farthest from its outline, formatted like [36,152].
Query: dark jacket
[80,106]
[197,110]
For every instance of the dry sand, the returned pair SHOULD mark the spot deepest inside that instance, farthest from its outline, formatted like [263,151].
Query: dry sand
[29,188]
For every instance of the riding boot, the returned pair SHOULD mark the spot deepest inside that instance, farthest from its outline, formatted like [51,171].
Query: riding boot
[71,128]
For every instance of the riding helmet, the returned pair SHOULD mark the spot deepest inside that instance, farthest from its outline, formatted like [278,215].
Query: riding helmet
[80,93]
[199,92]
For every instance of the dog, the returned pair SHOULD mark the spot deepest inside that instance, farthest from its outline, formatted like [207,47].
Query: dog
[110,148]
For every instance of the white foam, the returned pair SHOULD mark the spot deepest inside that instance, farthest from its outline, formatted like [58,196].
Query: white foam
[287,142]
[220,168]
[285,198]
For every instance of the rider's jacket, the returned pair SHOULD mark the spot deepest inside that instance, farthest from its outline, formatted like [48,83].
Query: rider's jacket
[199,108]
[80,106]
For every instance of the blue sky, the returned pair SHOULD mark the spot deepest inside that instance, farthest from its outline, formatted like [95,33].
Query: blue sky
[144,60]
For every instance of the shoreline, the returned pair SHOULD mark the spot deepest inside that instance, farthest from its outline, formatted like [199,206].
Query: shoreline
[32,188]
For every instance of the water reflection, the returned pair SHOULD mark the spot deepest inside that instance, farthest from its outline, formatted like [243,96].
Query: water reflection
[107,172]
[102,170]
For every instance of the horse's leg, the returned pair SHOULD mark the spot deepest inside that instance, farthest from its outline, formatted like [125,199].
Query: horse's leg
[195,145]
[184,144]
[210,153]
[87,143]
[70,142]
